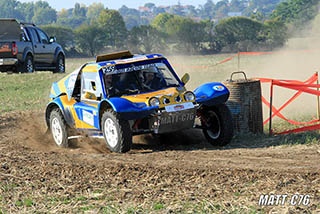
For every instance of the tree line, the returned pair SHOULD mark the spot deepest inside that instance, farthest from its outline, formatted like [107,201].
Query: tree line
[95,29]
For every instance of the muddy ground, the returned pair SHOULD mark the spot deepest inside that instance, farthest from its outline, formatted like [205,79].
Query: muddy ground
[175,173]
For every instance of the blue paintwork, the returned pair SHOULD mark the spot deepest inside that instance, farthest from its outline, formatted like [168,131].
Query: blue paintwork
[123,105]
[127,109]
[206,93]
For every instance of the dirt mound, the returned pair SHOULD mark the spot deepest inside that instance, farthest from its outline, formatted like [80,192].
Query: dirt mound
[176,170]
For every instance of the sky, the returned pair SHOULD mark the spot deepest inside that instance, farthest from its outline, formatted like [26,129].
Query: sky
[116,4]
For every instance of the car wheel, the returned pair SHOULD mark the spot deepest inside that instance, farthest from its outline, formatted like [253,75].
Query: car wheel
[58,128]
[217,125]
[60,65]
[27,66]
[116,132]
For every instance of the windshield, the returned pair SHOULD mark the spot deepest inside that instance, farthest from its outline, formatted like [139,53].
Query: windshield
[138,79]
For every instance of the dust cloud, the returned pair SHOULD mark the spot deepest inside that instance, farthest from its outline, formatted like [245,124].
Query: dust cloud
[298,60]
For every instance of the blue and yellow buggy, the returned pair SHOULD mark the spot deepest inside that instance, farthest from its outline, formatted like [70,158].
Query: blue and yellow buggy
[121,95]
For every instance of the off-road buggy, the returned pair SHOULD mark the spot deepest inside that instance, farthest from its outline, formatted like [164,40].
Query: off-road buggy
[121,95]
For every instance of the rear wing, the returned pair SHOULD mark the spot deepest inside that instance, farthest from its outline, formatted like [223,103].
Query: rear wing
[114,56]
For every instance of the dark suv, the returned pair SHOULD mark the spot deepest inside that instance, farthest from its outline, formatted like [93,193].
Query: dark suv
[25,48]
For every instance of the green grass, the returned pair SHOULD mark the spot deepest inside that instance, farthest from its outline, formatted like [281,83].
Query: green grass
[19,92]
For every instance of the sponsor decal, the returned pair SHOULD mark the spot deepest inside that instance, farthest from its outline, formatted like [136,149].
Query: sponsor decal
[88,118]
[112,69]
[179,107]
[218,88]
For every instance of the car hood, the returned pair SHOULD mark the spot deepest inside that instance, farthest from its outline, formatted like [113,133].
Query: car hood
[144,98]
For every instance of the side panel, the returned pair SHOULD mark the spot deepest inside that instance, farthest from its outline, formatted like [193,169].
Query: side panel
[87,116]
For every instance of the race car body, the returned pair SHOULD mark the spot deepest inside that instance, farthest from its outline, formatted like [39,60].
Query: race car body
[121,95]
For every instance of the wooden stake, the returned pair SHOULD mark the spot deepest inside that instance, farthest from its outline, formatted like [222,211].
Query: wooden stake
[238,60]
[270,114]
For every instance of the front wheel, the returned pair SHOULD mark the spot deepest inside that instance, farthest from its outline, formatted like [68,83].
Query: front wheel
[58,128]
[116,132]
[217,125]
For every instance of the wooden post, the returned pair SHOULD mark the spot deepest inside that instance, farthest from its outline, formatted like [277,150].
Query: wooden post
[270,115]
[318,107]
[238,60]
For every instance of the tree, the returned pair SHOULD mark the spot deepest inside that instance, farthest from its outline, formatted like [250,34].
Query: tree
[239,33]
[89,39]
[8,9]
[296,12]
[113,28]
[275,33]
[79,10]
[161,20]
[207,10]
[145,39]
[150,5]
[44,16]
[64,35]
[94,10]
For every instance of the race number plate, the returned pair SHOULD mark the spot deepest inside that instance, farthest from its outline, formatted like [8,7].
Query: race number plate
[175,121]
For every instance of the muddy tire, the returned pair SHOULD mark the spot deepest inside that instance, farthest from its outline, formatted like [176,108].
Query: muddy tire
[218,128]
[27,66]
[60,65]
[58,128]
[116,132]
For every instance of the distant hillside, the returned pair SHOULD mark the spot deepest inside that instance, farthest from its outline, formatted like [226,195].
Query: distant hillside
[42,13]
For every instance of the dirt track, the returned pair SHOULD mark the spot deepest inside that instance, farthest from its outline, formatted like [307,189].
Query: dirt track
[183,170]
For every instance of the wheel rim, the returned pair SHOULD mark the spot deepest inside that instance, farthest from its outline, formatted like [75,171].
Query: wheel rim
[214,127]
[29,66]
[56,130]
[61,65]
[111,133]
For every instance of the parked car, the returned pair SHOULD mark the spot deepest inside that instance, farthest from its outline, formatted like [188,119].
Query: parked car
[26,48]
[121,95]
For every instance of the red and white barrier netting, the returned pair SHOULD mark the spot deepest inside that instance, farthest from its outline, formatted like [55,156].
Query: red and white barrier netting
[300,87]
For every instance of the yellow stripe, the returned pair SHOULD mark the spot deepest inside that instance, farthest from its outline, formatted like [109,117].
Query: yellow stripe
[53,92]
[90,68]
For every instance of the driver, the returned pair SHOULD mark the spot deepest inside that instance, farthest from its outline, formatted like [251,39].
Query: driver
[110,89]
[151,80]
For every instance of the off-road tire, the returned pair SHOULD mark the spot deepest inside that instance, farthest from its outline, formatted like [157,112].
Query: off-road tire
[57,122]
[219,130]
[60,65]
[119,127]
[27,66]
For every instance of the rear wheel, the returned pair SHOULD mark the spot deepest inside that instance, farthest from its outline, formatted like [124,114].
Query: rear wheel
[58,128]
[217,125]
[116,132]
[60,65]
[27,66]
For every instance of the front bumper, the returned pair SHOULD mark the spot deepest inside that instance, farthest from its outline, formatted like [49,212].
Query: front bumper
[8,61]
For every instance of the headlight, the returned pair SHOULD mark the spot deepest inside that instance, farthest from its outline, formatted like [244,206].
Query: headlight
[178,99]
[153,101]
[188,96]
[165,100]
